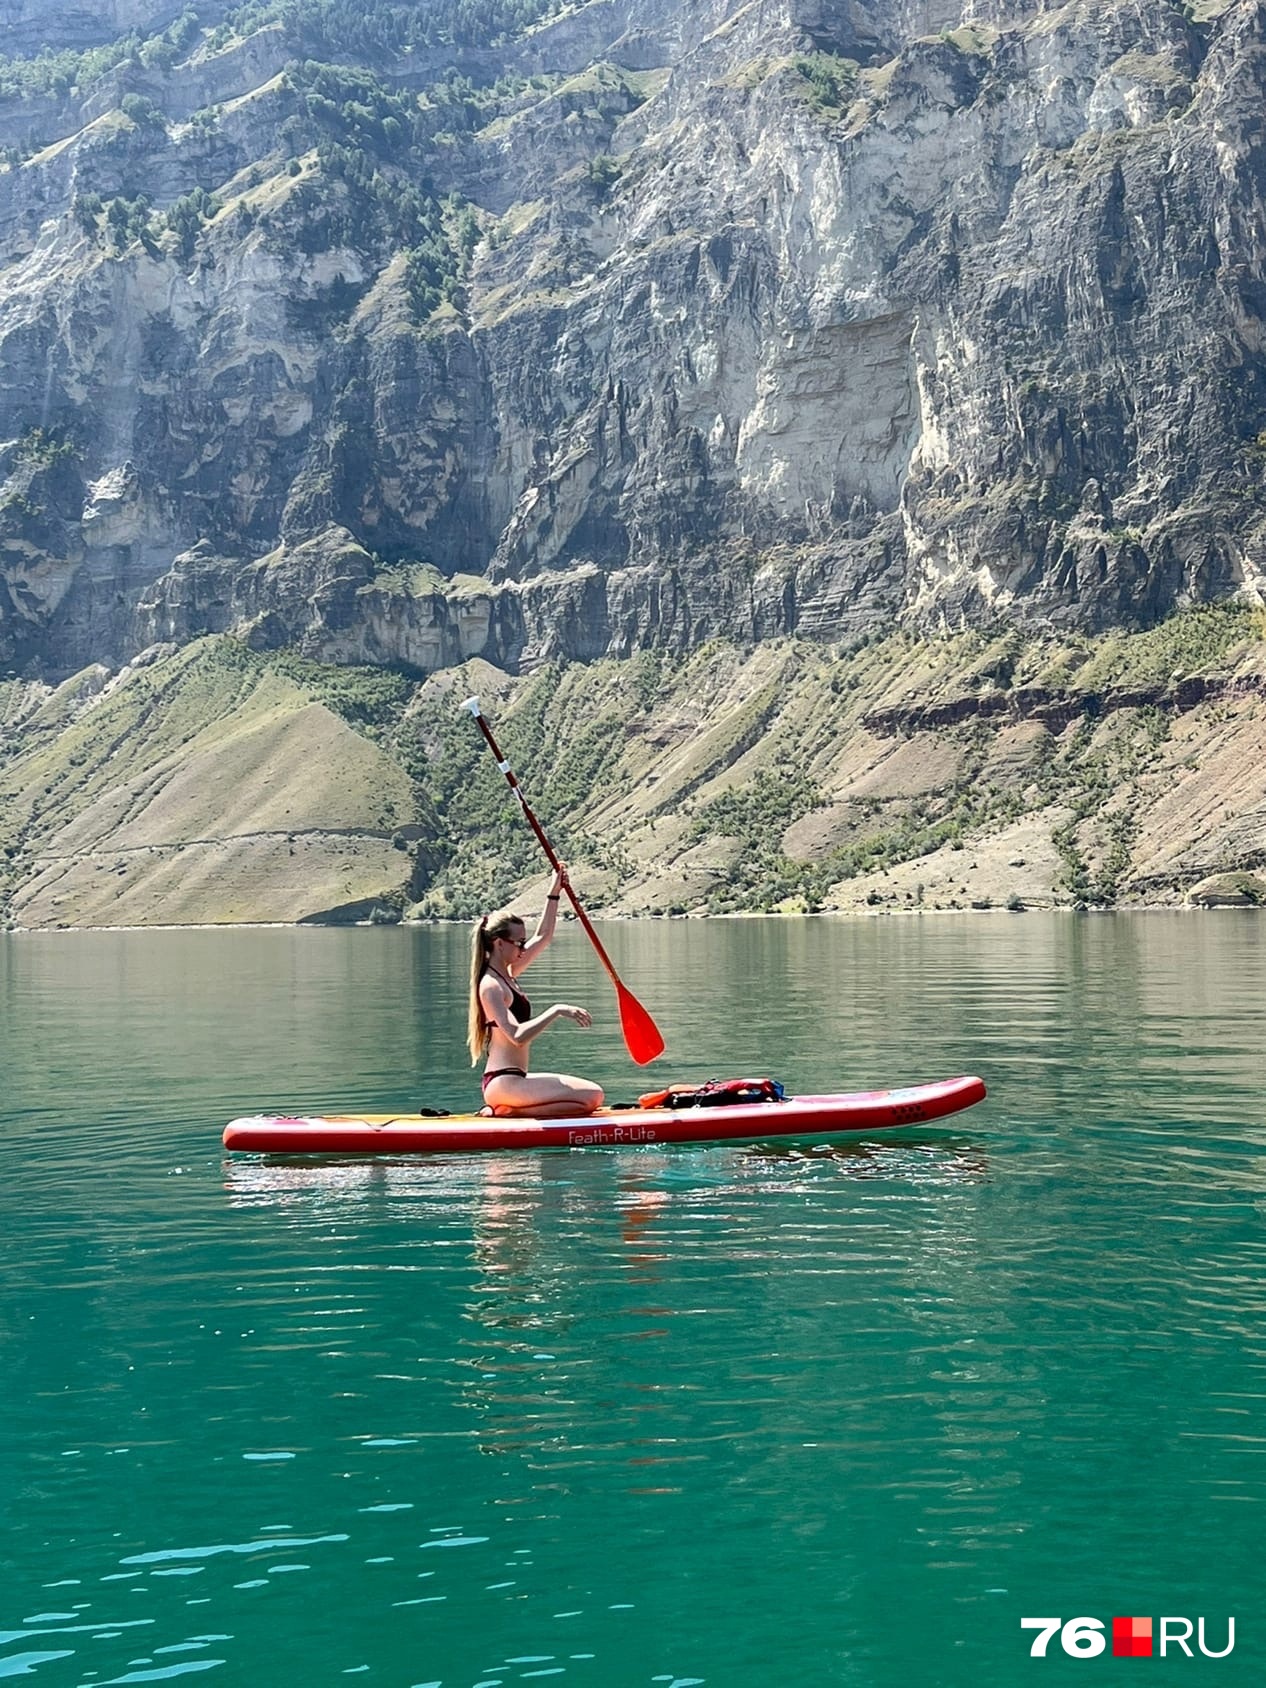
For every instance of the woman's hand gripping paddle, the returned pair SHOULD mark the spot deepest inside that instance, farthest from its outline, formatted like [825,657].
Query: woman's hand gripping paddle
[641,1034]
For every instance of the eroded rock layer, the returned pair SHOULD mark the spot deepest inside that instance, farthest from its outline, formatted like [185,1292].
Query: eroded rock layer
[572,335]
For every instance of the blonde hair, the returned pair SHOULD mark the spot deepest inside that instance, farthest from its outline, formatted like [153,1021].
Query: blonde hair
[485,936]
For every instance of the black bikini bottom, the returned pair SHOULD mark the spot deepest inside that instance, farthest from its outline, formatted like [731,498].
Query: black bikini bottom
[502,1072]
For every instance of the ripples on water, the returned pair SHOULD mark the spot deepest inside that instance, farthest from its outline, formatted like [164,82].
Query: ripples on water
[726,1415]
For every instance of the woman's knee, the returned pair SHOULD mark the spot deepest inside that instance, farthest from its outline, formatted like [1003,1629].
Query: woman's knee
[582,1090]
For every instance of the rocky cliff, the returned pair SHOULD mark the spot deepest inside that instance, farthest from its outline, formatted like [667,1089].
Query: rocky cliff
[562,335]
[375,340]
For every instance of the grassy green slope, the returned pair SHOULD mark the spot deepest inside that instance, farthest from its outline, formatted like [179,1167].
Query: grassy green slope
[970,770]
[209,786]
[220,785]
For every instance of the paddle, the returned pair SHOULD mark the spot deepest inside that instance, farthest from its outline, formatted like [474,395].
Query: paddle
[641,1034]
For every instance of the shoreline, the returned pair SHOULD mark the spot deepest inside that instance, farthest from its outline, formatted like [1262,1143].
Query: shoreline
[631,919]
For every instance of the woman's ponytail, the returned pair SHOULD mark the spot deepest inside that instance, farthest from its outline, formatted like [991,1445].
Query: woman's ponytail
[485,935]
[476,1030]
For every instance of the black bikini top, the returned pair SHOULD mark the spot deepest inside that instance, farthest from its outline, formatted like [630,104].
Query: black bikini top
[520,1007]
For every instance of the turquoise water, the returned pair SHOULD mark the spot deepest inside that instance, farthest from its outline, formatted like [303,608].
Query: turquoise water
[733,1415]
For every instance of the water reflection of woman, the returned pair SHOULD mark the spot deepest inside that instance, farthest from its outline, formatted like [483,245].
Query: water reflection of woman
[502,1028]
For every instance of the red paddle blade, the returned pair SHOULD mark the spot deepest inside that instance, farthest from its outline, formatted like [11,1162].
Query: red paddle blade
[641,1034]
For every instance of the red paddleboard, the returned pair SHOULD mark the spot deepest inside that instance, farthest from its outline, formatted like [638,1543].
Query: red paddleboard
[813,1117]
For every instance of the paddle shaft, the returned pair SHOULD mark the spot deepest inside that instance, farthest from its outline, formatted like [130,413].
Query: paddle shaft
[545,844]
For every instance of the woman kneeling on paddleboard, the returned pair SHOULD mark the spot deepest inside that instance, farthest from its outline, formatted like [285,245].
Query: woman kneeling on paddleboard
[502,1027]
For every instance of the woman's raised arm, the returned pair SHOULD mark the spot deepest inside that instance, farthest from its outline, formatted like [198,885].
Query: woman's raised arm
[544,933]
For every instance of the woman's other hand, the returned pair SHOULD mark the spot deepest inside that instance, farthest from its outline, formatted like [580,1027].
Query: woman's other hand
[581,1016]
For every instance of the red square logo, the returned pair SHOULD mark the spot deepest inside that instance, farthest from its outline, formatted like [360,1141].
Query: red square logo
[1132,1638]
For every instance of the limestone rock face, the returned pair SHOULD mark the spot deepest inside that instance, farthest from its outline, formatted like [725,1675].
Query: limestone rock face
[31,26]
[791,317]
